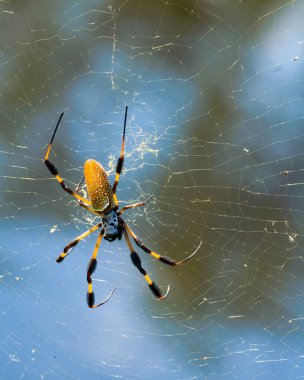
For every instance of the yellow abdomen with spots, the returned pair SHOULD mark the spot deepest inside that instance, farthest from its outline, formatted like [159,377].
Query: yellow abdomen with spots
[98,186]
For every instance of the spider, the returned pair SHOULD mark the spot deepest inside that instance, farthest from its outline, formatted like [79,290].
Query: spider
[103,202]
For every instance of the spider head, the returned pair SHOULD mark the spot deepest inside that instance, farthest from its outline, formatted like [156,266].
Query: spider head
[112,229]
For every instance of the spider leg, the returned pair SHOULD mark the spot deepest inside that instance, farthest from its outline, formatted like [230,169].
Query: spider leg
[134,205]
[120,161]
[82,204]
[54,171]
[163,259]
[67,249]
[79,185]
[91,269]
[137,262]
[88,208]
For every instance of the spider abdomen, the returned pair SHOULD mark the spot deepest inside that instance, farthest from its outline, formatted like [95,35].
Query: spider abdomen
[98,186]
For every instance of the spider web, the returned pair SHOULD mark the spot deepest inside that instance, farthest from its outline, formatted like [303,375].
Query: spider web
[215,95]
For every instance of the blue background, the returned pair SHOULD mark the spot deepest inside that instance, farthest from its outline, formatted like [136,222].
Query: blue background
[215,133]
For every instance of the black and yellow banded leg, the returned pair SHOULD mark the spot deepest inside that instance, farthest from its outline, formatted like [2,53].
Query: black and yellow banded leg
[53,170]
[120,161]
[164,259]
[134,205]
[91,269]
[67,249]
[137,263]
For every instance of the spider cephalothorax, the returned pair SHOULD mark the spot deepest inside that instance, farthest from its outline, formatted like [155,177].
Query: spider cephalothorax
[113,225]
[103,202]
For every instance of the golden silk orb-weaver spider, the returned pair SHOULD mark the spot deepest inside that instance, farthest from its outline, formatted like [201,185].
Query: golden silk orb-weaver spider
[103,202]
